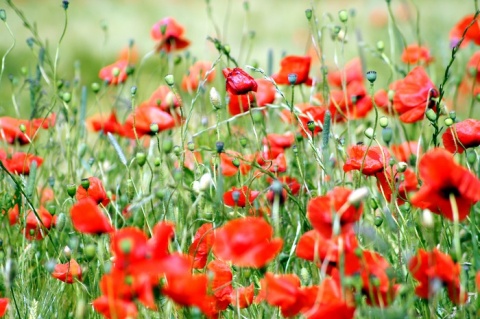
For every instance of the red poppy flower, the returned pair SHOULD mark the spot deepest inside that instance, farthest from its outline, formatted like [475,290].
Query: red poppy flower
[265,92]
[87,218]
[313,246]
[247,242]
[414,54]
[477,280]
[414,95]
[228,168]
[472,35]
[443,178]
[115,308]
[240,196]
[239,82]
[68,272]
[35,228]
[242,297]
[196,73]
[10,128]
[426,267]
[279,140]
[238,104]
[282,291]
[129,246]
[20,162]
[462,135]
[323,210]
[129,53]
[309,113]
[355,103]
[163,233]
[375,161]
[473,65]
[114,73]
[221,283]
[403,184]
[201,246]
[107,125]
[3,306]
[169,35]
[95,191]
[13,215]
[298,65]
[146,115]
[406,151]
[351,72]
[164,98]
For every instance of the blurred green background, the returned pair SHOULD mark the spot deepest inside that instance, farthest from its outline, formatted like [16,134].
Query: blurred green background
[98,30]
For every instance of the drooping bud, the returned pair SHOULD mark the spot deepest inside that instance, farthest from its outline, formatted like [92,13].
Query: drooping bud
[402,167]
[369,132]
[170,80]
[141,158]
[343,16]
[215,99]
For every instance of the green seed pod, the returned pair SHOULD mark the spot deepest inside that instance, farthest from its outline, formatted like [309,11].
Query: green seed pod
[471,157]
[3,15]
[380,46]
[387,134]
[378,221]
[133,90]
[311,126]
[257,116]
[67,97]
[448,122]
[372,76]
[141,158]
[90,251]
[236,162]
[431,115]
[177,150]
[95,87]
[167,145]
[308,14]
[157,161]
[71,190]
[243,141]
[170,80]
[343,16]
[453,115]
[383,121]
[370,133]
[191,146]
[85,183]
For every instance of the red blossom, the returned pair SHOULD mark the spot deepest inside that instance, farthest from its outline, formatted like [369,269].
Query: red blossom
[238,104]
[402,183]
[95,191]
[10,128]
[351,72]
[87,218]
[445,181]
[3,306]
[265,92]
[164,99]
[375,161]
[68,272]
[221,283]
[462,135]
[115,308]
[405,151]
[240,196]
[36,227]
[201,246]
[239,82]
[115,73]
[298,65]
[414,96]
[169,35]
[247,242]
[242,297]
[143,117]
[415,54]
[197,73]
[472,35]
[20,162]
[435,265]
[100,122]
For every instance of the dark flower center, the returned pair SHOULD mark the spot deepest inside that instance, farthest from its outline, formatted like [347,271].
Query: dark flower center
[446,191]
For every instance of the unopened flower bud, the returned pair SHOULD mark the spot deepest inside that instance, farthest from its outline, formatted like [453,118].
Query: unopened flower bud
[383,121]
[22,128]
[85,183]
[427,218]
[387,134]
[3,15]
[471,157]
[95,87]
[308,13]
[343,15]
[448,121]
[177,150]
[452,115]
[243,141]
[167,145]
[380,46]
[431,115]
[378,221]
[154,128]
[71,190]
[402,167]
[133,90]
[61,222]
[191,146]
[66,97]
[236,162]
[205,181]
[115,72]
[311,126]
[215,98]
[141,158]
[170,99]
[170,80]
[369,132]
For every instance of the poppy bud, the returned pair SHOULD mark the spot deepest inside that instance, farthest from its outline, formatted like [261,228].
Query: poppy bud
[243,141]
[372,76]
[157,161]
[22,128]
[141,158]
[133,90]
[205,181]
[369,132]
[61,222]
[402,167]
[177,174]
[391,95]
[452,115]
[85,183]
[387,134]
[292,78]
[431,115]
[154,128]
[71,190]
[3,15]
[66,97]
[311,126]
[170,99]
[391,162]
[177,150]
[160,194]
[343,16]
[427,218]
[90,251]
[373,203]
[471,157]
[95,87]
[67,252]
[308,13]
[383,121]
[236,162]
[239,82]
[227,48]
[50,265]
[115,72]
[167,145]
[378,221]
[380,46]
[191,146]
[169,79]
[257,116]
[65,4]
[448,121]
[215,98]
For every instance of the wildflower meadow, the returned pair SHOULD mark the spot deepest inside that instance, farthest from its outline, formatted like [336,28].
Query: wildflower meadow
[239,159]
